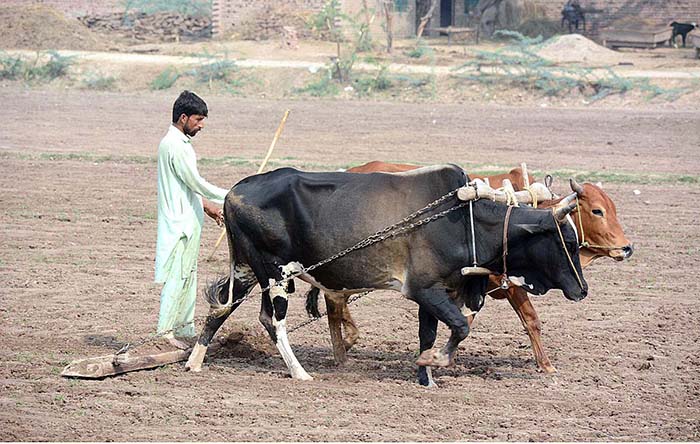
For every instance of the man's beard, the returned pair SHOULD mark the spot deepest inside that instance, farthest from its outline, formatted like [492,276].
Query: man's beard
[190,132]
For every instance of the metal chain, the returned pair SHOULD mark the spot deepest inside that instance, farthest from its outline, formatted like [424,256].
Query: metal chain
[381,235]
[152,338]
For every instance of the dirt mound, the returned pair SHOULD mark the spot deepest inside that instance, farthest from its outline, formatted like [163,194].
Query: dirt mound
[41,27]
[572,48]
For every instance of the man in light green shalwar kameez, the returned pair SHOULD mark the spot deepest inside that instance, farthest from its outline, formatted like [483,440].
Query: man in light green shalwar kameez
[180,217]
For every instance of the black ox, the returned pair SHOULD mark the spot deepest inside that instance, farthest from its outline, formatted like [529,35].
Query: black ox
[278,220]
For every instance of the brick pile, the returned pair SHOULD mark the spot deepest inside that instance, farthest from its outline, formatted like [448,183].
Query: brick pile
[157,27]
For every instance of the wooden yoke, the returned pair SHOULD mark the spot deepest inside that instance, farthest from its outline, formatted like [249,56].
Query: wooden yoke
[478,189]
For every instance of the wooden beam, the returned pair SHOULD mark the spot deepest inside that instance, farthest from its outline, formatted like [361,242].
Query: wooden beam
[110,365]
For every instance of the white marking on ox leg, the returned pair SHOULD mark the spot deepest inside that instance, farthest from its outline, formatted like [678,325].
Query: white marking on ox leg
[429,373]
[295,369]
[194,363]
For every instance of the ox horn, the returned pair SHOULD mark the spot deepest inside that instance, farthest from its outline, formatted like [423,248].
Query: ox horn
[576,187]
[565,207]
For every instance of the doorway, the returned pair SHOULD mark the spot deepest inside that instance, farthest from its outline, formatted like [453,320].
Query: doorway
[446,13]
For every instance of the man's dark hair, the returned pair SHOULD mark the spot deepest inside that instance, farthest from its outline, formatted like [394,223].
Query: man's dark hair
[189,103]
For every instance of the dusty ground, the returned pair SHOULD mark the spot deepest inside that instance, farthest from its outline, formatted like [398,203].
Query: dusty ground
[76,260]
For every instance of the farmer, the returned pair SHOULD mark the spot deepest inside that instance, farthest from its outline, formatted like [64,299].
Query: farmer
[180,217]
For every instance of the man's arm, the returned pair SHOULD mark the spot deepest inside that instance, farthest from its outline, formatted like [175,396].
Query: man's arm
[214,212]
[185,167]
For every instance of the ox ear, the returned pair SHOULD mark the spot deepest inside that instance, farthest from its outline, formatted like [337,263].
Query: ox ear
[531,228]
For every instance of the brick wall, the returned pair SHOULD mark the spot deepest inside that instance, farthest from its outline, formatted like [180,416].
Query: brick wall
[659,12]
[72,8]
[227,15]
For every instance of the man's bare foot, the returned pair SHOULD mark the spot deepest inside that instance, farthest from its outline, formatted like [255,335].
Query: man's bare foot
[177,343]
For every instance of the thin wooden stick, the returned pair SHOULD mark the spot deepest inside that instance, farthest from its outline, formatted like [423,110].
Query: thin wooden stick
[262,166]
[274,141]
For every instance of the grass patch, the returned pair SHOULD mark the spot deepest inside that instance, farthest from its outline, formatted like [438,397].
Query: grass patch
[99,82]
[79,157]
[366,84]
[165,79]
[222,72]
[420,50]
[323,86]
[621,177]
[38,70]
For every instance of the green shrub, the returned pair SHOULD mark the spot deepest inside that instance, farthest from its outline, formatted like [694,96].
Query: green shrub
[165,79]
[16,68]
[220,70]
[11,68]
[420,50]
[323,23]
[322,87]
[366,84]
[56,67]
[99,82]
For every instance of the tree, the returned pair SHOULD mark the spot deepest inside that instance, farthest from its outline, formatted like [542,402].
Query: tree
[425,19]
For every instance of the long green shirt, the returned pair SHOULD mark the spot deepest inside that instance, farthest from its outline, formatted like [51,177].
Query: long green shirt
[180,211]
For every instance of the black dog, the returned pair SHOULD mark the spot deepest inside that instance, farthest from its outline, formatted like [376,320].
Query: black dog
[681,29]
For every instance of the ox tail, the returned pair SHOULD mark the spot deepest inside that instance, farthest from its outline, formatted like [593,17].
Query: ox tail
[219,296]
[312,302]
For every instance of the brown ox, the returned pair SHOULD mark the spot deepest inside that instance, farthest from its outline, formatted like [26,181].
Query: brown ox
[376,166]
[599,232]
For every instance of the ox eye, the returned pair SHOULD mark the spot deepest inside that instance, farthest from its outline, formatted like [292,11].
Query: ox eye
[598,212]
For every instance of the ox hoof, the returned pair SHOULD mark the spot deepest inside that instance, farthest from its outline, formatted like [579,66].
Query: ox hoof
[431,385]
[303,377]
[548,369]
[194,363]
[195,368]
[425,378]
[433,358]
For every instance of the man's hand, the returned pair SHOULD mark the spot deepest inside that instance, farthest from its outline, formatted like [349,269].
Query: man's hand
[214,212]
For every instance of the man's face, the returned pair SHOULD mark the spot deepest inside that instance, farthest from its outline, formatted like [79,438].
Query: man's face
[193,124]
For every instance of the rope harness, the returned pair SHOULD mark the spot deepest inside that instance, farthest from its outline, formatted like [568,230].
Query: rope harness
[568,256]
[584,243]
[505,281]
[504,276]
